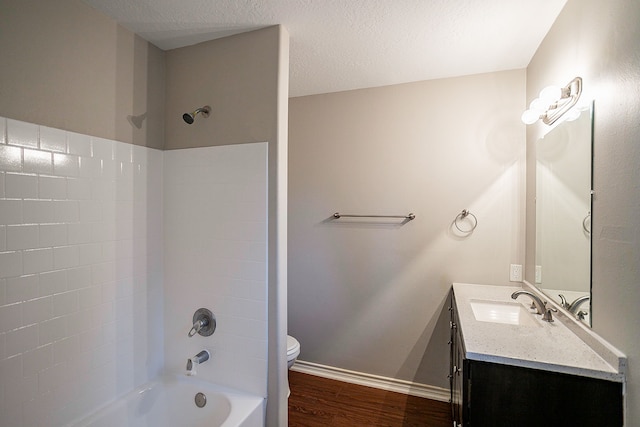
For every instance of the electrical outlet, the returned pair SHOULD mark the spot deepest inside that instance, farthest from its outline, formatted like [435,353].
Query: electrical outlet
[515,273]
[538,274]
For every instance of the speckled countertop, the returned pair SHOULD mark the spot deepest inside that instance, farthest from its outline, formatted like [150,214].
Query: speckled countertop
[544,345]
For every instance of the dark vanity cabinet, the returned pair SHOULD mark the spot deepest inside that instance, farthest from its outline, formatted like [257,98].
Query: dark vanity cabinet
[485,394]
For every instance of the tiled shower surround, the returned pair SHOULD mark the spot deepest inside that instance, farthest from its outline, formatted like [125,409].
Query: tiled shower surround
[82,294]
[216,257]
[80,272]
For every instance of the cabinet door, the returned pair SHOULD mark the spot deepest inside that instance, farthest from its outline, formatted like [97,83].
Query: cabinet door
[501,395]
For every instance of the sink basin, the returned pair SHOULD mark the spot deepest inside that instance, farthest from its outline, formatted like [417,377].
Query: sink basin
[511,313]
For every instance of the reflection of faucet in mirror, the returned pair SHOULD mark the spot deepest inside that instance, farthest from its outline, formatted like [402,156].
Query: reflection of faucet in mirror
[575,305]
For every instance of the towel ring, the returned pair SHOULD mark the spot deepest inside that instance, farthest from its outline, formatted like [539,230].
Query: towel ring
[462,215]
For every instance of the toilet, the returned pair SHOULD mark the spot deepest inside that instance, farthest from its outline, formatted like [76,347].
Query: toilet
[293,350]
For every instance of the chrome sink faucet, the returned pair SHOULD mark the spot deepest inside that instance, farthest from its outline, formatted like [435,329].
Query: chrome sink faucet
[540,306]
[537,302]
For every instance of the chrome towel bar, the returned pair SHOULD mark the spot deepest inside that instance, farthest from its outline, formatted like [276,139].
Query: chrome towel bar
[408,217]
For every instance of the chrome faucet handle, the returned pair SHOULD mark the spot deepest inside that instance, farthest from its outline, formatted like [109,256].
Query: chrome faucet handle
[197,326]
[204,323]
[547,317]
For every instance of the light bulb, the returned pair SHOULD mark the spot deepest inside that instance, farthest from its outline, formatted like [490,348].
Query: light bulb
[551,94]
[529,117]
[539,105]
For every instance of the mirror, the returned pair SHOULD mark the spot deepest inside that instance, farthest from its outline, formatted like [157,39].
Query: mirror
[563,214]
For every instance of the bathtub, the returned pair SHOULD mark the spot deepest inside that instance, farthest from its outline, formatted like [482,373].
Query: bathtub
[170,402]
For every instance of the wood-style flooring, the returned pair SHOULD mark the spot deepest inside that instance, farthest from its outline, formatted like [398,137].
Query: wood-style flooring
[321,402]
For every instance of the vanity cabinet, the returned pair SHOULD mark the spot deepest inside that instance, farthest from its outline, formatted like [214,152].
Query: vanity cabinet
[486,394]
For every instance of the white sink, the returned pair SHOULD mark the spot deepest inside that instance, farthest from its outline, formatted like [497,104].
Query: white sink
[511,313]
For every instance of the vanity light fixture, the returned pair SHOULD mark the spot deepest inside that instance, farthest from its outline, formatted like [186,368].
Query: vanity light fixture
[553,102]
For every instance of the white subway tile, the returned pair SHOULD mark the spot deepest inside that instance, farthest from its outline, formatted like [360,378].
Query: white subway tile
[36,310]
[11,264]
[123,152]
[3,285]
[67,165]
[91,253]
[53,235]
[90,210]
[52,139]
[22,133]
[78,188]
[2,356]
[10,370]
[37,260]
[52,187]
[20,186]
[102,148]
[79,278]
[22,237]
[109,169]
[65,257]
[22,288]
[38,211]
[10,158]
[36,161]
[37,360]
[21,340]
[10,317]
[2,174]
[65,211]
[65,303]
[51,378]
[65,349]
[11,211]
[77,323]
[90,167]
[103,273]
[22,389]
[79,144]
[79,233]
[90,297]
[53,282]
[3,130]
[52,330]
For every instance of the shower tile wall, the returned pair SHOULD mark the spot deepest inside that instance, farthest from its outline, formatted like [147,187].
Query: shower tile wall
[80,272]
[215,257]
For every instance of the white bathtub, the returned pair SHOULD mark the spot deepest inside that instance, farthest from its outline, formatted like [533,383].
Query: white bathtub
[171,403]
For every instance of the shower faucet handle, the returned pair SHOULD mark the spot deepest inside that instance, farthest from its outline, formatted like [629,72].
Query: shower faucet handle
[204,323]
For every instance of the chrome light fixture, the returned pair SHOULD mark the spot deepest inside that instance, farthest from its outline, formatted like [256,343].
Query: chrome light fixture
[553,102]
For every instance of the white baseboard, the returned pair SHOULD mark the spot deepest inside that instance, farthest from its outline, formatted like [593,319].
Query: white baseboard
[384,383]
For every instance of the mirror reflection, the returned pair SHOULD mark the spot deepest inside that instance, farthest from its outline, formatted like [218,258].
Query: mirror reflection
[563,215]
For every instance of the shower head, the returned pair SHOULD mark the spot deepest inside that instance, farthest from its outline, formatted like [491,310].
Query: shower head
[190,117]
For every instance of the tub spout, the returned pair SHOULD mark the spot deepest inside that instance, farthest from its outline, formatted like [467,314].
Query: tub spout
[199,358]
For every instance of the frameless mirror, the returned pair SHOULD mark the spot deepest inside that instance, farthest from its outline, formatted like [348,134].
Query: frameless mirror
[563,214]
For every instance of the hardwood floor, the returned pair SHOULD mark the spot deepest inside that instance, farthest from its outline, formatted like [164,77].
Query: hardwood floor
[321,402]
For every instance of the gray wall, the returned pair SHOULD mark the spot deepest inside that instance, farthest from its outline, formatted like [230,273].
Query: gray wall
[369,296]
[599,42]
[237,76]
[67,66]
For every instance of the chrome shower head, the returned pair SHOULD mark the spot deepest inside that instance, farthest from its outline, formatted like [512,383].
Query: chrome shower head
[190,117]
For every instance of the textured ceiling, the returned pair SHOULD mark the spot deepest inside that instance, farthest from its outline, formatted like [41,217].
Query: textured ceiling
[348,44]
